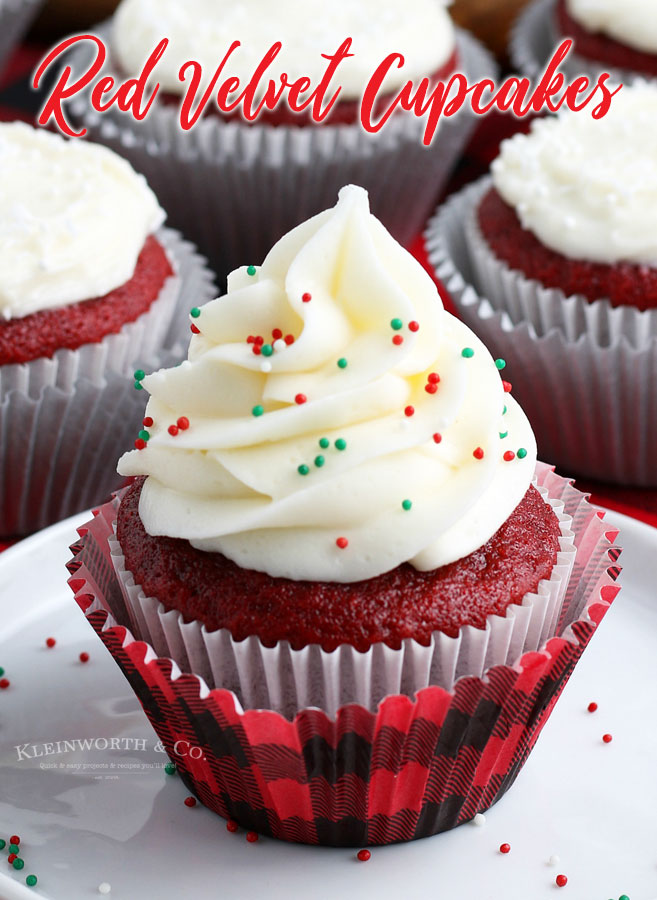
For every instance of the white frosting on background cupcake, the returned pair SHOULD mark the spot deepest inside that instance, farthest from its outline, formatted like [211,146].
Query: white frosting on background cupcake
[74,217]
[632,22]
[347,401]
[203,30]
[587,188]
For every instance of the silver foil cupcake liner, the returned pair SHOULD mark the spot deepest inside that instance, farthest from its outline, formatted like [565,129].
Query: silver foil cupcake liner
[15,19]
[536,35]
[285,680]
[235,189]
[586,377]
[65,421]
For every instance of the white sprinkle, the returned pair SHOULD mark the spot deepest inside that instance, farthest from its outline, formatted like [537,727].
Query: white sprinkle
[554,860]
[104,887]
[279,345]
[479,819]
[265,366]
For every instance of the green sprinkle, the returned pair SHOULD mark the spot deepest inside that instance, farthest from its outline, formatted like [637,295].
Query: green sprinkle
[303,470]
[504,434]
[266,349]
[319,461]
[341,444]
[250,270]
[467,352]
[522,453]
[623,897]
[139,386]
[324,443]
[18,863]
[342,363]
[3,844]
[144,435]
[257,410]
[14,848]
[504,411]
[139,374]
[406,504]
[170,768]
[195,312]
[2,672]
[396,324]
[31,880]
[500,363]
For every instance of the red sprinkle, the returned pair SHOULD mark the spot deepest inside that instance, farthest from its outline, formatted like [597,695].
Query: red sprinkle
[592,707]
[277,334]
[250,339]
[607,738]
[342,543]
[14,839]
[300,398]
[505,848]
[509,455]
[173,430]
[413,326]
[147,422]
[256,349]
[140,444]
[190,801]
[252,836]
[289,339]
[507,386]
[437,438]
[409,411]
[433,378]
[232,826]
[50,642]
[561,880]
[194,329]
[397,340]
[84,657]
[183,423]
[4,683]
[11,857]
[259,340]
[478,453]
[431,388]
[363,855]
[306,297]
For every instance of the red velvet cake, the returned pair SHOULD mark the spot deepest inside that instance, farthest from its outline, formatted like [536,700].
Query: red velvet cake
[604,49]
[42,333]
[623,284]
[403,603]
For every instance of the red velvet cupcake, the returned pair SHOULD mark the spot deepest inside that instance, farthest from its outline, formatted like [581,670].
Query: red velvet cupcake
[343,538]
[87,291]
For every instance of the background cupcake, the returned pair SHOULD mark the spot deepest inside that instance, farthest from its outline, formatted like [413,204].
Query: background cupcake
[553,263]
[268,176]
[619,38]
[347,523]
[15,18]
[89,287]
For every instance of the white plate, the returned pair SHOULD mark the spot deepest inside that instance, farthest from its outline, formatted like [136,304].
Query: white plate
[593,804]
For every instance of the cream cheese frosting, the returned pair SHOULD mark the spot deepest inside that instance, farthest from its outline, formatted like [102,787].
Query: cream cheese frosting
[203,30]
[588,188]
[632,22]
[276,455]
[73,219]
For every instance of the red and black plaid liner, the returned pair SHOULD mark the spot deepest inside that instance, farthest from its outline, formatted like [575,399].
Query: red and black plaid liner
[413,768]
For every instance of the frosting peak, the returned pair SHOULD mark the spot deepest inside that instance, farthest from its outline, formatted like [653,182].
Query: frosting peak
[633,22]
[311,398]
[74,217]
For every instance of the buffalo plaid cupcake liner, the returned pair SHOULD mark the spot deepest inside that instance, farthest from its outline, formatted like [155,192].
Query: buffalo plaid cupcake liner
[586,372]
[65,420]
[267,179]
[410,767]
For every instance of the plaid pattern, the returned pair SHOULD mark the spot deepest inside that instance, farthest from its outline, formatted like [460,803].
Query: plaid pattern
[410,769]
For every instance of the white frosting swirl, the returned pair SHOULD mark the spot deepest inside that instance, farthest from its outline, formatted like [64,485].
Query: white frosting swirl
[73,219]
[632,22]
[203,30]
[230,482]
[588,188]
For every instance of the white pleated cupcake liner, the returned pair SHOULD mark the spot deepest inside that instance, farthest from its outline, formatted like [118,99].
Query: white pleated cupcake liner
[235,188]
[286,680]
[536,35]
[592,405]
[15,18]
[65,422]
[526,300]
